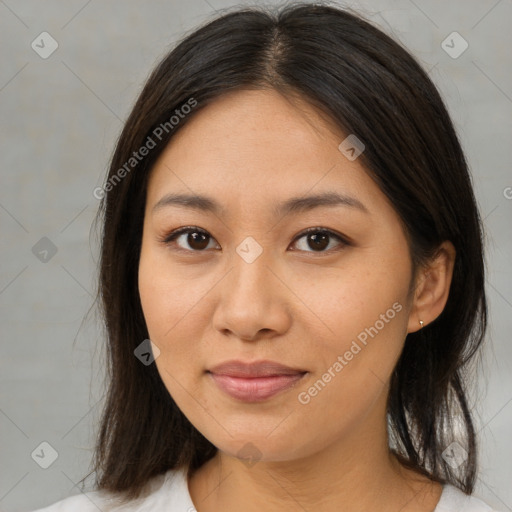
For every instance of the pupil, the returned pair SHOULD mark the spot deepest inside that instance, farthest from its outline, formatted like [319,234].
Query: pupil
[199,239]
[320,240]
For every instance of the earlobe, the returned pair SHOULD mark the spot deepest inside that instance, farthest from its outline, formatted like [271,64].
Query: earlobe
[433,288]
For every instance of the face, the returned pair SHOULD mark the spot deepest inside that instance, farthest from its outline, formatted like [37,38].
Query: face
[247,281]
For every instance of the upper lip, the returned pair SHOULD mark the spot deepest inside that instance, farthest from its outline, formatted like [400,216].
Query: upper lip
[235,368]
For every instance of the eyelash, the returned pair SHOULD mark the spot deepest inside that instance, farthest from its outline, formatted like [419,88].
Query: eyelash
[170,238]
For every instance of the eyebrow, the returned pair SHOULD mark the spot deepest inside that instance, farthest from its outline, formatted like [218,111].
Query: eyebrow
[292,205]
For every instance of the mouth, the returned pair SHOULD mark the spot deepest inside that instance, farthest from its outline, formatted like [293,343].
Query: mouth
[256,381]
[256,389]
[256,369]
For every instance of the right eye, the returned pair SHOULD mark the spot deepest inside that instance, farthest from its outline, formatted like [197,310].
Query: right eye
[196,238]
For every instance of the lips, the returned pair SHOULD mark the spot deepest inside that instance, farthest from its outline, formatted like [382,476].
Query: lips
[254,382]
[256,369]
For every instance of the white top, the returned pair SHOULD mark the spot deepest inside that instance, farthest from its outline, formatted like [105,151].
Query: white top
[169,492]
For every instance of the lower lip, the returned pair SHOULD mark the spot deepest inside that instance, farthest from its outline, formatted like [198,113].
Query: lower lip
[255,389]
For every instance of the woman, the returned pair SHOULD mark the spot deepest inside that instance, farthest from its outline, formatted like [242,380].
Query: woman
[292,279]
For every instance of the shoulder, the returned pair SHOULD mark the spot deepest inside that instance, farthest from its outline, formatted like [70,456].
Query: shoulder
[454,500]
[86,502]
[166,492]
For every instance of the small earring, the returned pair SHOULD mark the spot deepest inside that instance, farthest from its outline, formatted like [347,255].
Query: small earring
[421,323]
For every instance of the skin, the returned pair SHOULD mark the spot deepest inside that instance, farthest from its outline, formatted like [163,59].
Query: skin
[250,150]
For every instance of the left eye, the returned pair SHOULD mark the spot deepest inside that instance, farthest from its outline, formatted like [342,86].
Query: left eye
[198,240]
[318,239]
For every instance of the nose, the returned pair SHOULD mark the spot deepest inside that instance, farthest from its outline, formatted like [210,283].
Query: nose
[253,301]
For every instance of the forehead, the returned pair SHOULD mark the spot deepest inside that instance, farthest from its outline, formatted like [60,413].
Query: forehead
[251,119]
[254,144]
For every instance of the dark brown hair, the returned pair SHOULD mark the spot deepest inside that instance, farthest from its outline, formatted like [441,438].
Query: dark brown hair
[369,85]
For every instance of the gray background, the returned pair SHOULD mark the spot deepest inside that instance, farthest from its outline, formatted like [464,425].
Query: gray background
[60,117]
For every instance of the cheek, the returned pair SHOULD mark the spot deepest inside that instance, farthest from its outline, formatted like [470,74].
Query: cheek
[175,315]
[165,295]
[362,323]
[352,366]
[346,301]
[154,300]
[165,309]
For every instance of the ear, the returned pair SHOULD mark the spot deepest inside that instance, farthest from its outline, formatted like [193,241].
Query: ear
[432,287]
